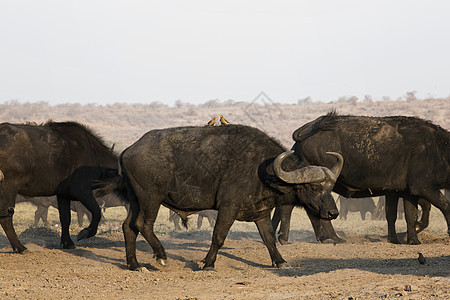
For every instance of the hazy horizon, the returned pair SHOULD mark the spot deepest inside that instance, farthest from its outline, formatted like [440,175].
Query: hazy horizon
[100,52]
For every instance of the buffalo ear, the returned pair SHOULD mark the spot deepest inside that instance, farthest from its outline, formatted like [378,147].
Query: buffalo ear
[267,176]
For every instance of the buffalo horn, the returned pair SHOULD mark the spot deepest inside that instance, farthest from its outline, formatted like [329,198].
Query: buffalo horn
[307,174]
[304,175]
[2,176]
[336,169]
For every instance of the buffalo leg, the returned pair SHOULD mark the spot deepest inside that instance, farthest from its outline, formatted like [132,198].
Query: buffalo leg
[80,217]
[323,229]
[425,218]
[282,213]
[176,222]
[145,226]
[64,218]
[391,216]
[130,233]
[343,211]
[7,226]
[82,211]
[225,219]
[268,236]
[41,213]
[276,218]
[363,215]
[211,220]
[91,204]
[175,218]
[36,217]
[199,221]
[439,200]
[8,200]
[410,206]
[379,215]
[400,209]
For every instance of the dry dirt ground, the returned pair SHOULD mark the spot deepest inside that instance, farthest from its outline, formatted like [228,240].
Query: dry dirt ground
[365,267]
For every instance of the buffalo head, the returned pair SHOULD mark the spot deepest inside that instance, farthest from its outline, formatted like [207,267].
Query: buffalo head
[313,184]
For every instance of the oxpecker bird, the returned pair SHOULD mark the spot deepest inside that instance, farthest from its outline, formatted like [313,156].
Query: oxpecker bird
[421,259]
[223,121]
[212,122]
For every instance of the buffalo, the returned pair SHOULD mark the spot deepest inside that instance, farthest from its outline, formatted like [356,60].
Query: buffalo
[43,204]
[421,224]
[394,156]
[322,228]
[210,215]
[56,158]
[362,206]
[380,210]
[105,202]
[237,170]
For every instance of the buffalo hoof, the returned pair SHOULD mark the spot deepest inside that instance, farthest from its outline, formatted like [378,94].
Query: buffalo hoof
[142,269]
[85,233]
[69,245]
[134,266]
[338,240]
[209,269]
[24,251]
[21,250]
[330,239]
[394,241]
[162,261]
[414,242]
[281,265]
[282,240]
[420,227]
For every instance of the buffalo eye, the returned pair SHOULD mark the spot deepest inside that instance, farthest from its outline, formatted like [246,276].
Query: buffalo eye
[315,187]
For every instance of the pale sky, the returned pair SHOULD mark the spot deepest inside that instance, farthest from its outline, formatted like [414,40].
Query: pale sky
[143,51]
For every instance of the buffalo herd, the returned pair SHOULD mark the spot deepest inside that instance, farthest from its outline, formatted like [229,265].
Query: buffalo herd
[236,170]
[44,203]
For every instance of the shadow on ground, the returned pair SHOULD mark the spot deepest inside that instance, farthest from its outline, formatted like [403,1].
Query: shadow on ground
[199,241]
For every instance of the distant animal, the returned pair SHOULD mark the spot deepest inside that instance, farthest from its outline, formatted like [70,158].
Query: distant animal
[362,205]
[56,158]
[322,228]
[43,204]
[424,214]
[237,170]
[223,121]
[210,215]
[108,201]
[212,122]
[393,156]
[380,213]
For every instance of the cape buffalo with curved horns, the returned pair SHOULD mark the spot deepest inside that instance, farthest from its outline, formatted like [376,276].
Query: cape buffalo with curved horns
[237,170]
[394,156]
[56,158]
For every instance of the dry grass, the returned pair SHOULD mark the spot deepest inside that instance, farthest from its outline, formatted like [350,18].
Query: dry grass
[123,124]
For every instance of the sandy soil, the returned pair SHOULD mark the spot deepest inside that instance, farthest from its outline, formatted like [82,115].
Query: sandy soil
[365,267]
